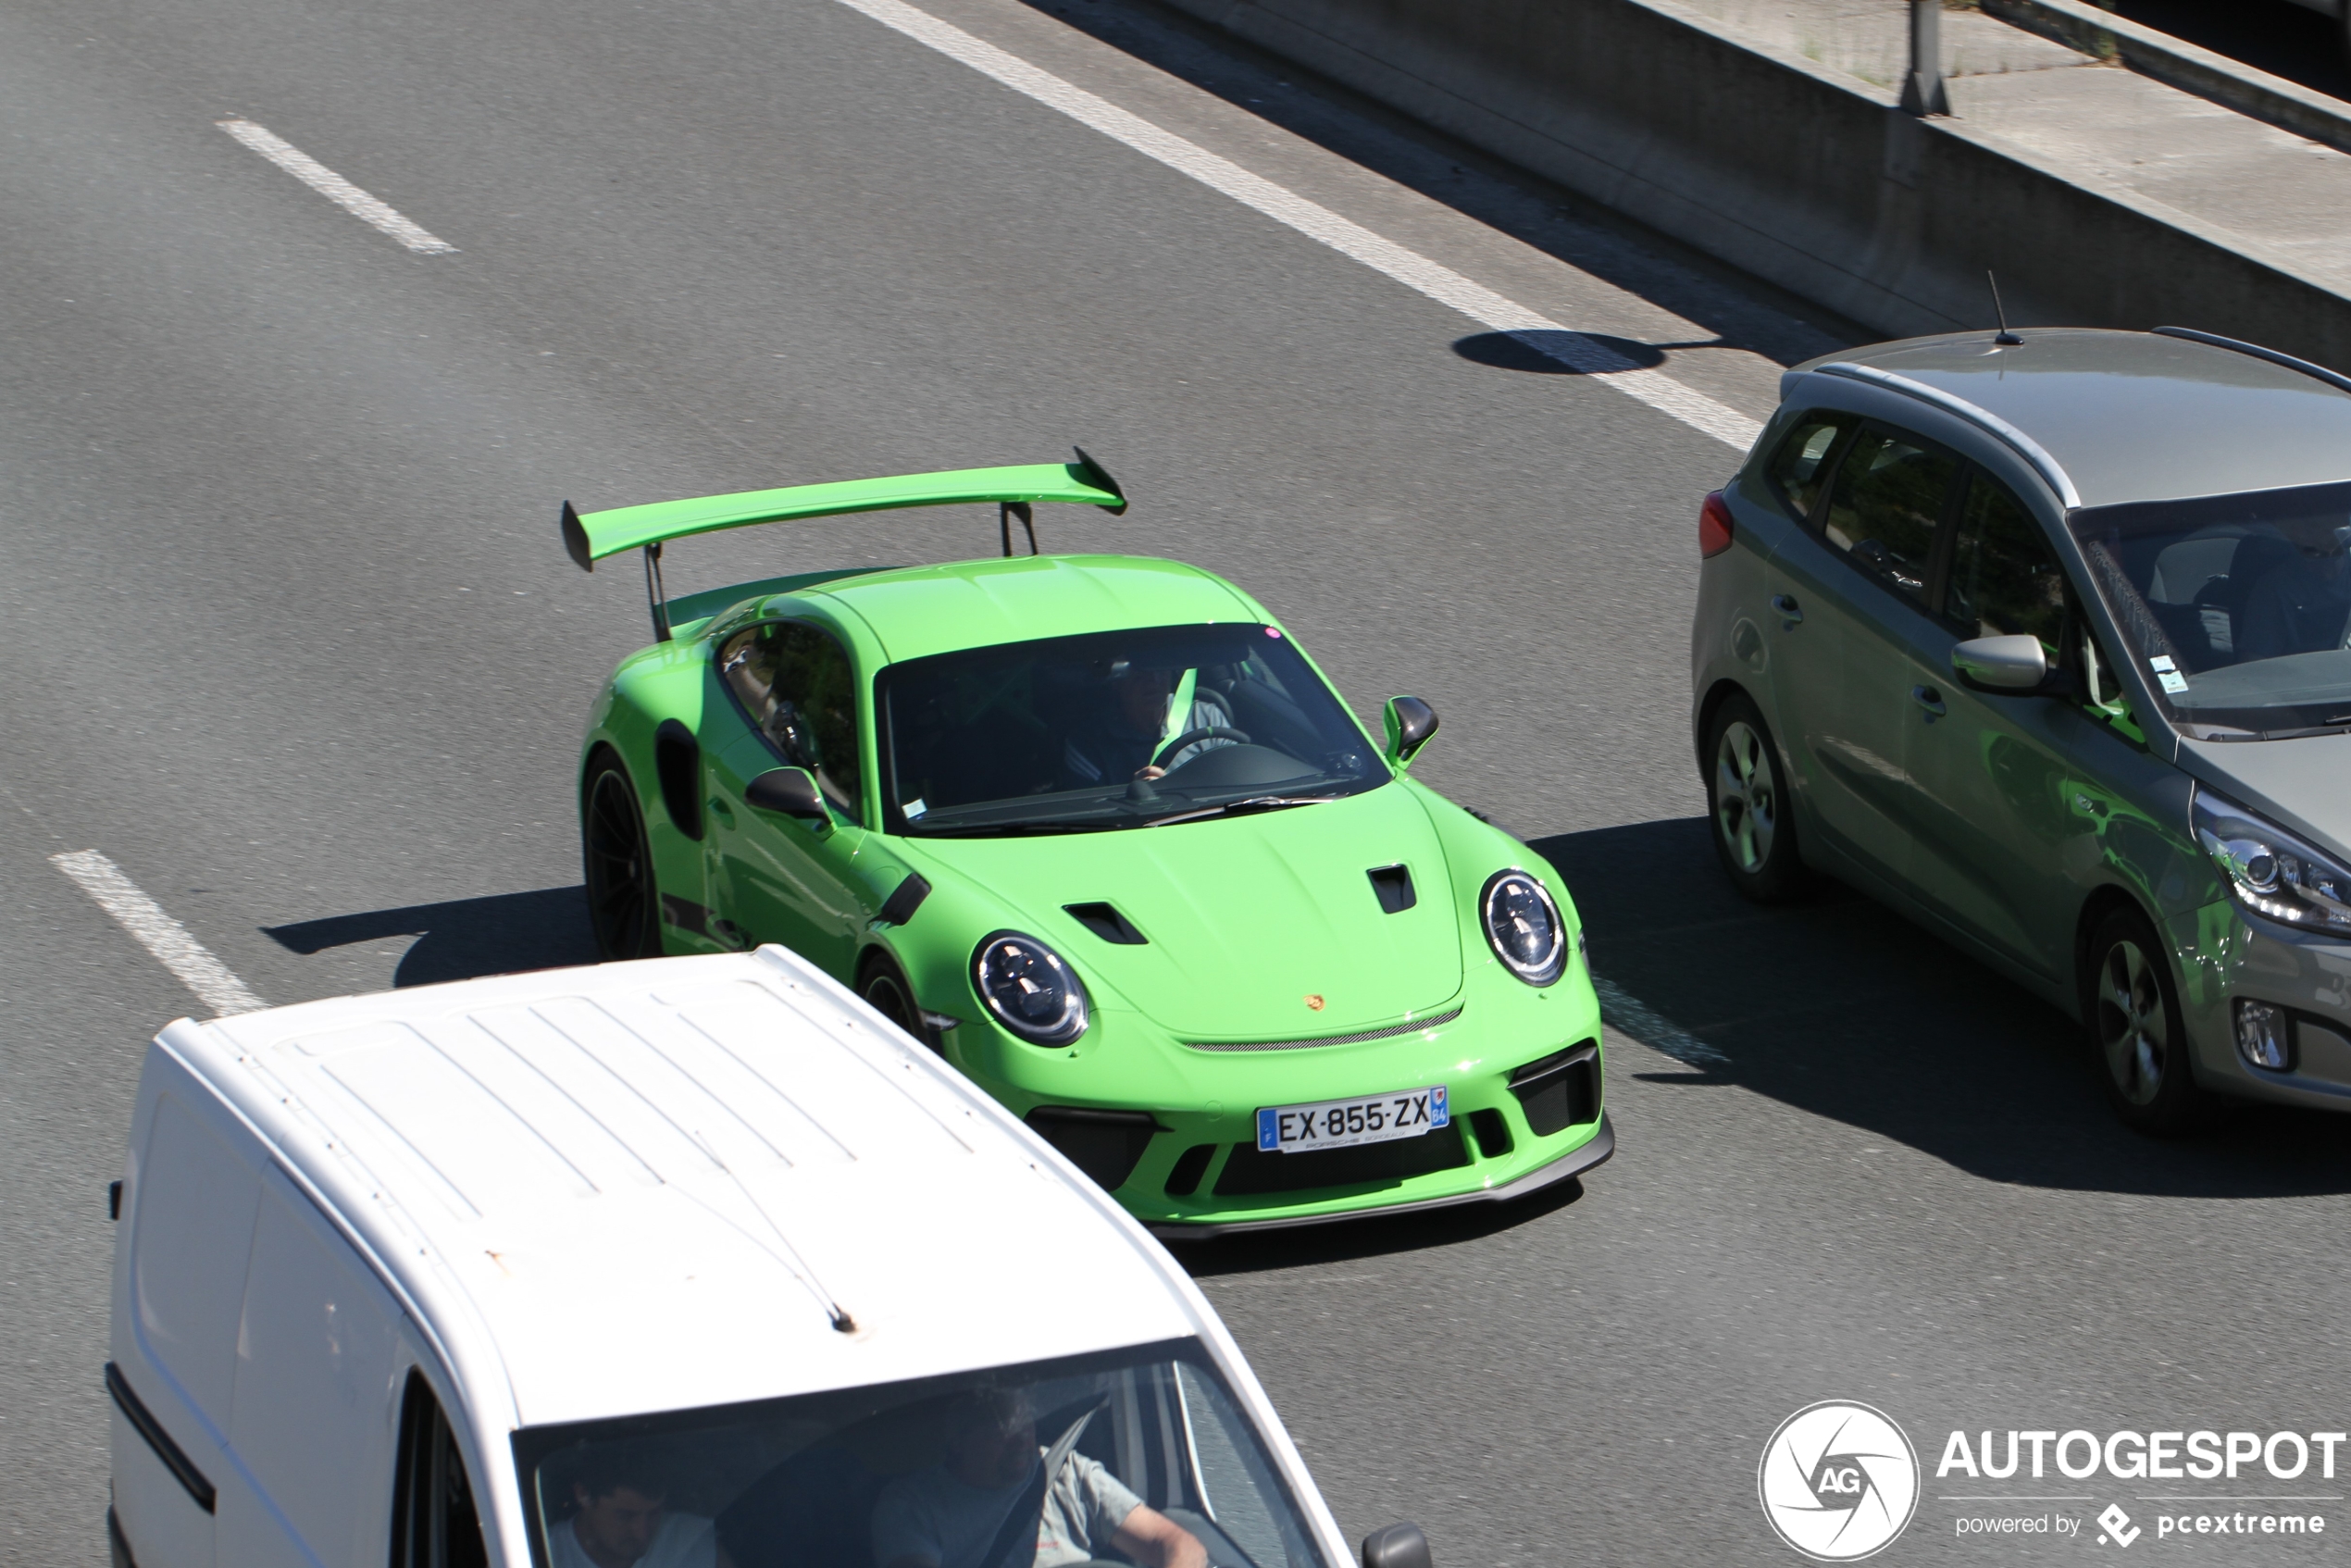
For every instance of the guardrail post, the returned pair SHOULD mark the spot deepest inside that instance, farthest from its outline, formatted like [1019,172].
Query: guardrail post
[1922,89]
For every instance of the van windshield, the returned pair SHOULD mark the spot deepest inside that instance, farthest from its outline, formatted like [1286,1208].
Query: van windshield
[1111,730]
[1138,1457]
[2238,607]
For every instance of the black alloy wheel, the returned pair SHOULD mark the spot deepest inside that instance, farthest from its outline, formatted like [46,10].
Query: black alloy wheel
[2132,1010]
[1753,821]
[624,905]
[885,990]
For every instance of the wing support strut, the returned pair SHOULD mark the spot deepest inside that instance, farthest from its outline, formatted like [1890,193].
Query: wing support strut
[1005,512]
[656,598]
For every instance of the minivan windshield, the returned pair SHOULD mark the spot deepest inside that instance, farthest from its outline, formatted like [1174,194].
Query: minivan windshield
[2238,607]
[1113,729]
[1138,1457]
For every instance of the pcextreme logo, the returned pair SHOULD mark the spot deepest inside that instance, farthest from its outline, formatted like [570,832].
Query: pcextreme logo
[1838,1481]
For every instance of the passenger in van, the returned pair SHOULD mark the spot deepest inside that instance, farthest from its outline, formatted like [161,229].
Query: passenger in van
[2301,604]
[619,1521]
[987,1506]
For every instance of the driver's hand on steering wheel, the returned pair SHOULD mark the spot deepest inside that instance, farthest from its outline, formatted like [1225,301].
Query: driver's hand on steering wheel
[1150,770]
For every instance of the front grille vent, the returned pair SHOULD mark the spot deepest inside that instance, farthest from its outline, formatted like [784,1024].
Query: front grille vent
[1411,1026]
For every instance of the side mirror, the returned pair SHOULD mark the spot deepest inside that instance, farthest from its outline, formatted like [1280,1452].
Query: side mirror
[1398,1545]
[2002,663]
[1409,724]
[787,792]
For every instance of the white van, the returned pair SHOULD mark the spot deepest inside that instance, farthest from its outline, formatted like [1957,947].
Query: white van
[687,1263]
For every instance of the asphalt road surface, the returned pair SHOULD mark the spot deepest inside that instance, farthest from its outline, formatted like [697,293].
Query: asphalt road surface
[291,638]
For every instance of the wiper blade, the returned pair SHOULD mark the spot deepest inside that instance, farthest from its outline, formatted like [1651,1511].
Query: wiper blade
[1016,830]
[1241,808]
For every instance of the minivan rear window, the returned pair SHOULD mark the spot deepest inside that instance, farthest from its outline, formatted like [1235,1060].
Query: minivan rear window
[2238,607]
[1106,1458]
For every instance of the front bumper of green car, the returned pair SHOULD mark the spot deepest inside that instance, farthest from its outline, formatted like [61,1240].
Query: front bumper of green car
[1171,1128]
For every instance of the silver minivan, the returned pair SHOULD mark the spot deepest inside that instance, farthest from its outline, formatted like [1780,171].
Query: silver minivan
[2041,638]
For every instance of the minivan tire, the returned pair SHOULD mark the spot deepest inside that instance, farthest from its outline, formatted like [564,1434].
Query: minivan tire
[1748,810]
[2130,1012]
[624,901]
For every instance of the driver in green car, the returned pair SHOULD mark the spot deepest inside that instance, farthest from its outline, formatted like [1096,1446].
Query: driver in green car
[1125,743]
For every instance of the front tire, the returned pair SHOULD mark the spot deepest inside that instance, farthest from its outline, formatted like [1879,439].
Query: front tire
[624,904]
[1750,816]
[2132,1010]
[884,989]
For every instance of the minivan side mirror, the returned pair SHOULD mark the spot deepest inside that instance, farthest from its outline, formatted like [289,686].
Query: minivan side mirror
[787,792]
[1398,1545]
[2015,663]
[1410,723]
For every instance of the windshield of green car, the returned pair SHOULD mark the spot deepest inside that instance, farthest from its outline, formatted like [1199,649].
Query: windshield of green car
[1113,729]
[2238,607]
[1113,1459]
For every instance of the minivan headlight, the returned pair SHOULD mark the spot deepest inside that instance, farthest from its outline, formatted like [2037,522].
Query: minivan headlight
[2269,870]
[1029,988]
[1525,927]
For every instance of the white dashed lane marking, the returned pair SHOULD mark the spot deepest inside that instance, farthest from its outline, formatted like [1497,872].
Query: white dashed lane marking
[334,187]
[212,981]
[1436,280]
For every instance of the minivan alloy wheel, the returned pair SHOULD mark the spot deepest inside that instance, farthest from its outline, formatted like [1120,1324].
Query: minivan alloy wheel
[1747,803]
[2134,1030]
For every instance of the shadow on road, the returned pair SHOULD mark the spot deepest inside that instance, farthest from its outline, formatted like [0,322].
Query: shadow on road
[1840,1008]
[1527,351]
[1346,1240]
[465,938]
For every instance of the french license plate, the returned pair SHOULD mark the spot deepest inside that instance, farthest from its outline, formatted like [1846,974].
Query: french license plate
[1342,1124]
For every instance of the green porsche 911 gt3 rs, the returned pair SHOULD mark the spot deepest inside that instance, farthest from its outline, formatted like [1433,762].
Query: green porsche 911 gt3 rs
[1095,827]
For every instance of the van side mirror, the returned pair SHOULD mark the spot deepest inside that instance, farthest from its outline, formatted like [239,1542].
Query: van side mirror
[2013,664]
[1410,723]
[787,792]
[1398,1545]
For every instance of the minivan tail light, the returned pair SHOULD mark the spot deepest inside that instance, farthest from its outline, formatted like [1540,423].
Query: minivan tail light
[1714,526]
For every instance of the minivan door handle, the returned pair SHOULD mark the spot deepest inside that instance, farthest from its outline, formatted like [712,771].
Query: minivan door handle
[1931,700]
[1789,610]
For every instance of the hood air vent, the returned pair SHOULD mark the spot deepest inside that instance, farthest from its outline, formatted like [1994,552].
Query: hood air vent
[1105,922]
[1394,886]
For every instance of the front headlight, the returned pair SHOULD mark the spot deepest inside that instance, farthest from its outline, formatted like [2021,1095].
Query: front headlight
[2269,870]
[1028,987]
[1525,927]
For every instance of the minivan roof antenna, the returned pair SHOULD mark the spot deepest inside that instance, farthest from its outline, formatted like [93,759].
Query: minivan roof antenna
[2005,338]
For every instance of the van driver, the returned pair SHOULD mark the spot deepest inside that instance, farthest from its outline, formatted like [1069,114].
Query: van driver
[618,1520]
[2301,607]
[984,1508]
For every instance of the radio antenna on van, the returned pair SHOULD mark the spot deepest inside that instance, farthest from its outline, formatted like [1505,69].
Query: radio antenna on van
[2005,338]
[789,1257]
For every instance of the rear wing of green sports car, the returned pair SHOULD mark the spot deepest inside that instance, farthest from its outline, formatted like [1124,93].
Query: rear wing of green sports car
[590,537]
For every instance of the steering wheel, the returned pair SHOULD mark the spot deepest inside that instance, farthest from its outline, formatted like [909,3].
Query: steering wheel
[1214,732]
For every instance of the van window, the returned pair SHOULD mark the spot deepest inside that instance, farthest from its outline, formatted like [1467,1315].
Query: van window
[1802,461]
[313,1374]
[192,1230]
[1887,505]
[795,682]
[434,1523]
[1104,1459]
[2005,578]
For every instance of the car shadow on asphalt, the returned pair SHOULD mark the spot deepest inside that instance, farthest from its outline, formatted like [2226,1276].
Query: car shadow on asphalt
[464,939]
[1838,1007]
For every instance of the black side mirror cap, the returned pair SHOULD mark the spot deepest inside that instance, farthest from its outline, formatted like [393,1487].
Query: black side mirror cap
[1398,1545]
[787,792]
[1410,723]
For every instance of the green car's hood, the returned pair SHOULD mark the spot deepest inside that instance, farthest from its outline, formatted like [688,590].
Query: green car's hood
[1246,918]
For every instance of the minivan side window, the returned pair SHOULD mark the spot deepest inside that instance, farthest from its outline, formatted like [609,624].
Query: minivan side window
[2005,578]
[1801,464]
[796,683]
[1888,504]
[435,1523]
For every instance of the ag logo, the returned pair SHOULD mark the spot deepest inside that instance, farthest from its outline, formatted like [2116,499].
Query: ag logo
[1838,1481]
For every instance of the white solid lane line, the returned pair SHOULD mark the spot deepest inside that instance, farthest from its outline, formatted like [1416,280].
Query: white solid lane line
[1440,283]
[158,932]
[1633,1016]
[334,187]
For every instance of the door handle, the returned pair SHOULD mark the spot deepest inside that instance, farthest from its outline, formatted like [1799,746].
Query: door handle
[1931,700]
[1789,610]
[721,810]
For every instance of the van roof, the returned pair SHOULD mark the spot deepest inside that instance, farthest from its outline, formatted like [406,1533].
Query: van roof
[684,1182]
